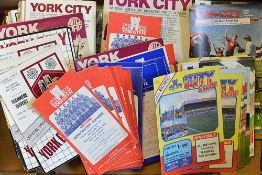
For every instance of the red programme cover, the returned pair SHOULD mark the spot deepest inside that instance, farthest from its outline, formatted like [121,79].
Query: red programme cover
[128,29]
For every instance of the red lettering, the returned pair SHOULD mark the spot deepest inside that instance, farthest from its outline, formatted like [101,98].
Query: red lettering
[143,3]
[62,37]
[78,8]
[48,151]
[88,9]
[212,14]
[55,142]
[12,44]
[195,83]
[173,4]
[111,2]
[42,152]
[237,13]
[231,87]
[58,8]
[184,4]
[50,8]
[220,14]
[29,151]
[41,8]
[134,2]
[166,4]
[26,40]
[60,137]
[130,3]
[120,3]
[201,81]
[51,146]
[69,10]
[47,7]
[34,6]
[155,3]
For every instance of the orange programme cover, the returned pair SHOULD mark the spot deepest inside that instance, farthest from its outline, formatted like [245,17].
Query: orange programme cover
[122,79]
[100,81]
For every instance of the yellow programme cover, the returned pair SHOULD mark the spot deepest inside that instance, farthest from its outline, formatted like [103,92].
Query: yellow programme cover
[189,119]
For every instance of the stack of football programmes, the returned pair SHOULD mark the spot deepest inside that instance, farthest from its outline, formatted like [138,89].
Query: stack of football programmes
[232,31]
[244,66]
[94,111]
[201,115]
[154,59]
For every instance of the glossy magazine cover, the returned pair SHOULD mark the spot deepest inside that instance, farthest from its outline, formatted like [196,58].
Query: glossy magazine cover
[225,30]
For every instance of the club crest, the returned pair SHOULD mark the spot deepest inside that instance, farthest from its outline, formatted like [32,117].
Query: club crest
[40,75]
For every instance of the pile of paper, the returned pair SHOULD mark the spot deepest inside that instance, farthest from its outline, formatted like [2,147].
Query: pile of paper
[78,80]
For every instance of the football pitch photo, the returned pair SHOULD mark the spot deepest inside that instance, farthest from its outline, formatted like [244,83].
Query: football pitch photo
[204,122]
[229,128]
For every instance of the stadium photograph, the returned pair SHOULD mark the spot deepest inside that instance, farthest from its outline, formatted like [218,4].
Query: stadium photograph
[229,116]
[187,113]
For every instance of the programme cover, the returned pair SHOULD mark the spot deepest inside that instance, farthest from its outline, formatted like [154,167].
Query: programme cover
[184,100]
[127,29]
[225,30]
[175,19]
[46,9]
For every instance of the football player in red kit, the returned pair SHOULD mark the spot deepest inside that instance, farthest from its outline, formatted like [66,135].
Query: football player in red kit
[231,44]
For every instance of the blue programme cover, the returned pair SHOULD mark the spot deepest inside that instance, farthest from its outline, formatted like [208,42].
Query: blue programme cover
[155,63]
